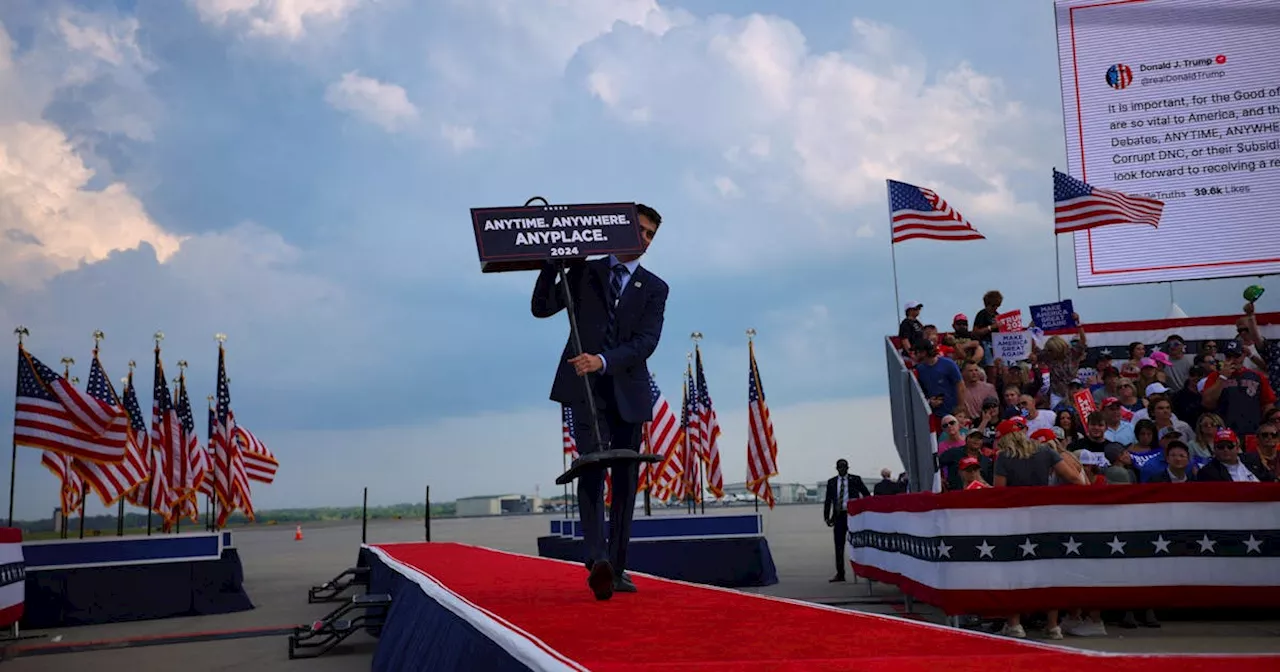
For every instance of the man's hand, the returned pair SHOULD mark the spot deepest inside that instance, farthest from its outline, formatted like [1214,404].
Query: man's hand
[831,522]
[586,363]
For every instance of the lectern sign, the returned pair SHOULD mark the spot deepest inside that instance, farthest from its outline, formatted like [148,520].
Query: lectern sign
[524,238]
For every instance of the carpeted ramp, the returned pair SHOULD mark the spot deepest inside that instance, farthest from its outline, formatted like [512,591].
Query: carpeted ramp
[522,612]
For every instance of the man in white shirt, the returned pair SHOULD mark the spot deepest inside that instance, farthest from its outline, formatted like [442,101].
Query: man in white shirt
[835,508]
[1035,417]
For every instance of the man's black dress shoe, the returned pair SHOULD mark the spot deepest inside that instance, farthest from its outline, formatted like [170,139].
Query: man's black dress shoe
[600,580]
[622,584]
[836,579]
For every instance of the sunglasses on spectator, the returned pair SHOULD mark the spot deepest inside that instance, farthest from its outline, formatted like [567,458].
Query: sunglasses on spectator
[948,423]
[1268,435]
[1224,446]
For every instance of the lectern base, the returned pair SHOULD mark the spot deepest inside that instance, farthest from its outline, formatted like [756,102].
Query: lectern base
[605,459]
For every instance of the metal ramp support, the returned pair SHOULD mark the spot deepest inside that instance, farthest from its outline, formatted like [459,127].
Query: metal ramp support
[360,612]
[331,590]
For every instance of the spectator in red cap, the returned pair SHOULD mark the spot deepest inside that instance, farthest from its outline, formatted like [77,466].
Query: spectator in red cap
[1053,438]
[1229,464]
[1238,394]
[1118,429]
[949,461]
[971,474]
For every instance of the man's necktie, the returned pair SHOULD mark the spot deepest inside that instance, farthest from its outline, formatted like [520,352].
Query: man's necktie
[615,285]
[841,491]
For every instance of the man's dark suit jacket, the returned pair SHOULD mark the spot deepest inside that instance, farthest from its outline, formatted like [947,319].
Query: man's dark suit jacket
[854,488]
[1217,471]
[640,314]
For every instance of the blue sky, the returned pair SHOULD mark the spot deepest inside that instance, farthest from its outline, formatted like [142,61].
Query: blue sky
[297,175]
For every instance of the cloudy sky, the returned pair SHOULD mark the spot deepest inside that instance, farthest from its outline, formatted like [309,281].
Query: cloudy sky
[298,174]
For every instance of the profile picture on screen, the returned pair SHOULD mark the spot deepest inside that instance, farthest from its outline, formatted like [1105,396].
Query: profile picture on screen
[1119,76]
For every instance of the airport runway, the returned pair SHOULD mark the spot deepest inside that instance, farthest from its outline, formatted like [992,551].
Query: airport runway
[278,571]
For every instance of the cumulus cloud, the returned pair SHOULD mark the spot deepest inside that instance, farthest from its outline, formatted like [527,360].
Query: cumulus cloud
[386,105]
[51,218]
[52,222]
[782,119]
[284,19]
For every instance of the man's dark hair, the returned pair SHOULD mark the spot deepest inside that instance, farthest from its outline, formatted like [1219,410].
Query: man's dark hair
[649,214]
[1097,418]
[1198,371]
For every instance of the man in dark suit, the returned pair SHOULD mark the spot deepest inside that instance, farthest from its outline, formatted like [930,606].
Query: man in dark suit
[620,307]
[840,489]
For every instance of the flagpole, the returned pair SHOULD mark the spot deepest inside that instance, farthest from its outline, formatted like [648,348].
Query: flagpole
[21,333]
[211,471]
[182,469]
[67,363]
[1057,263]
[648,476]
[151,484]
[124,380]
[224,435]
[893,252]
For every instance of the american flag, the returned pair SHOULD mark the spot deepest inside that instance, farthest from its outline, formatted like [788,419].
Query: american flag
[1078,206]
[259,462]
[207,487]
[917,212]
[232,483]
[71,493]
[689,475]
[762,447]
[51,414]
[195,465]
[166,438]
[154,493]
[663,437]
[566,432]
[709,434]
[111,481]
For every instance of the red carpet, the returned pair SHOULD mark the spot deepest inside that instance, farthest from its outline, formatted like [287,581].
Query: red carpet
[673,626]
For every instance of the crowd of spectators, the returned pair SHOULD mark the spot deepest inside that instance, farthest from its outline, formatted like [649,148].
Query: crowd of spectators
[1168,412]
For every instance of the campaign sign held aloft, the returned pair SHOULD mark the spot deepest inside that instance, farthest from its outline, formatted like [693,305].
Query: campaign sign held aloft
[525,238]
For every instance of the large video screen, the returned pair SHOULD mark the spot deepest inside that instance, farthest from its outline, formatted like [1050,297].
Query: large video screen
[1177,100]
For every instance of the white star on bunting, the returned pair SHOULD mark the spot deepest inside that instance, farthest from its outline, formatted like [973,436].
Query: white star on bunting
[1073,546]
[1116,545]
[1206,544]
[1028,548]
[944,550]
[984,551]
[1254,545]
[1162,546]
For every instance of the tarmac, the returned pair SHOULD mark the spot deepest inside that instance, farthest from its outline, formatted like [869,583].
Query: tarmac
[279,570]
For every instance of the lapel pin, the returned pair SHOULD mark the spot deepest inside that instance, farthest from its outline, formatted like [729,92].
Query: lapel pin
[637,283]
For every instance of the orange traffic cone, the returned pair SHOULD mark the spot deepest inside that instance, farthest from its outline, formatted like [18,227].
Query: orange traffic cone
[297,534]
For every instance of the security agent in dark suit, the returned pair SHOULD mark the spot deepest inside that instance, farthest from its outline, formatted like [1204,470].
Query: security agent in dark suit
[620,308]
[841,489]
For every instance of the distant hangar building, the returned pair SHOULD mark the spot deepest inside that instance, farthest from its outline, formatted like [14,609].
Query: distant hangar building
[495,505]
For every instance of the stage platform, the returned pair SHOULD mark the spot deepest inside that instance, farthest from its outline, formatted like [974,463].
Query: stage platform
[717,550]
[459,607]
[71,582]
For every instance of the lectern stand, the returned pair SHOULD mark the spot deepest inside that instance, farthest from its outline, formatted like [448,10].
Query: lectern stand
[600,459]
